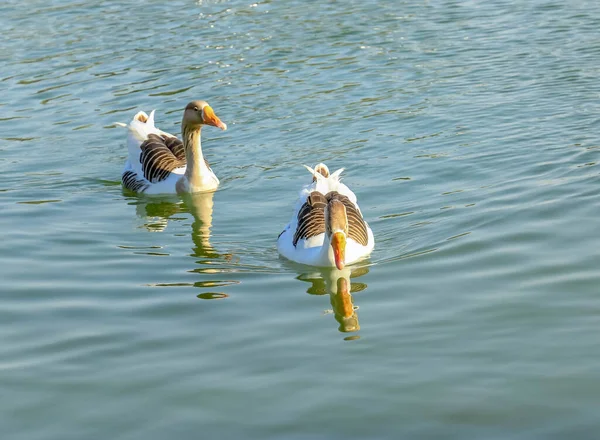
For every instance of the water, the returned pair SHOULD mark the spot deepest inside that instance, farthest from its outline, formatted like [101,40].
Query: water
[468,130]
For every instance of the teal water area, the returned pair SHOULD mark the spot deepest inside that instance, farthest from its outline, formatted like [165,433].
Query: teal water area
[469,132]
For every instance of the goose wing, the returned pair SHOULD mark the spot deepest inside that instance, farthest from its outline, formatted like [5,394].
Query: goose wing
[176,147]
[311,217]
[157,159]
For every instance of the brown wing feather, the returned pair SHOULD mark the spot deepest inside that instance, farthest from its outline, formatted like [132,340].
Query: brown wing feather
[357,228]
[176,147]
[311,217]
[157,159]
[132,183]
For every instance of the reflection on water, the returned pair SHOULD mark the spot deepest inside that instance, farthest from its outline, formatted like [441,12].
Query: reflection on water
[338,284]
[201,207]
[157,213]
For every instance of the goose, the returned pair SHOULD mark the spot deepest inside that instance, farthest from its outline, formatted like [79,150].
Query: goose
[327,228]
[159,163]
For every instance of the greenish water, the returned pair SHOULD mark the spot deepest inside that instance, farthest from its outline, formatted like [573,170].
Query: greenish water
[469,132]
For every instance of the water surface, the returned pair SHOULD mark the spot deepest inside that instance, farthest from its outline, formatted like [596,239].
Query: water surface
[468,131]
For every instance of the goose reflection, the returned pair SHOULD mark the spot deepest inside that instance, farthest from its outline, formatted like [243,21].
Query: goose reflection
[158,213]
[201,207]
[338,284]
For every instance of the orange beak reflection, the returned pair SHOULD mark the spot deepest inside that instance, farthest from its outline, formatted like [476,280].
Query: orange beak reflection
[345,298]
[338,243]
[211,119]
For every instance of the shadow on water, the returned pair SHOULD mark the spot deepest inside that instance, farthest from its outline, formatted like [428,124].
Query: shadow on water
[340,287]
[157,213]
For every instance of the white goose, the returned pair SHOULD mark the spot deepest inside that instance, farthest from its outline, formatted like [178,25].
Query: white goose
[327,228]
[159,163]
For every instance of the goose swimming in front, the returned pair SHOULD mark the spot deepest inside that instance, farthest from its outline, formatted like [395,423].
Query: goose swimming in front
[327,228]
[159,163]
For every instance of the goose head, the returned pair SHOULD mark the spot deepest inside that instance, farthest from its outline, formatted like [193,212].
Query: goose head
[199,113]
[336,230]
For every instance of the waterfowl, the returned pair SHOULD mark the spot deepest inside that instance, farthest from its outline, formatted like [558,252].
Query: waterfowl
[327,228]
[159,163]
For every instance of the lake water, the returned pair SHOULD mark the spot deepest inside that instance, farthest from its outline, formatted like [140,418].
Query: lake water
[469,132]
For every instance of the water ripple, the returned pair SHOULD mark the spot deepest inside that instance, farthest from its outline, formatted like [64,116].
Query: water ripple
[468,133]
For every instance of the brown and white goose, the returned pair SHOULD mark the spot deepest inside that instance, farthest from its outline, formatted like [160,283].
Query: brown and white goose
[159,163]
[327,228]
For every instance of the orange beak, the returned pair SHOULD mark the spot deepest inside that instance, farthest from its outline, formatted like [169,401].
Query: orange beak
[338,243]
[211,119]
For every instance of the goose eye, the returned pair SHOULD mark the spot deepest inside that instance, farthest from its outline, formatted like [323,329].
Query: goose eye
[196,109]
